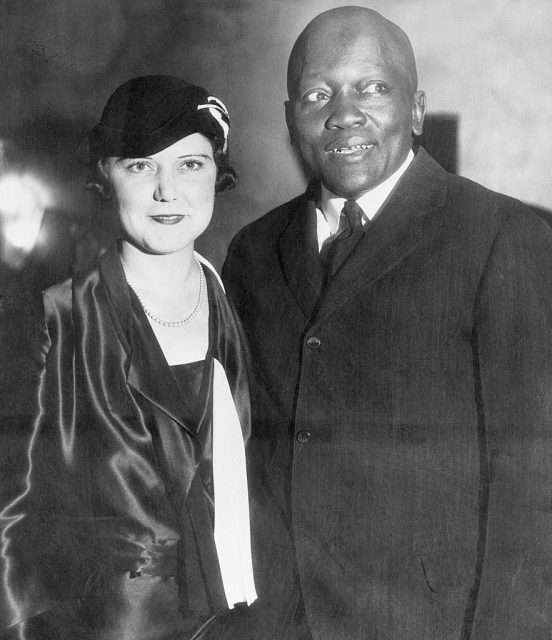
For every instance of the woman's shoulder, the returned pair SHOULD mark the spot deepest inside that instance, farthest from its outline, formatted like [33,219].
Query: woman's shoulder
[59,291]
[62,293]
[58,298]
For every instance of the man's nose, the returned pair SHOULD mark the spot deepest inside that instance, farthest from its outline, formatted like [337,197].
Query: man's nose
[346,112]
[165,190]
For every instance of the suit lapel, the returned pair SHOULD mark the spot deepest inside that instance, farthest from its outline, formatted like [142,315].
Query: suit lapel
[298,247]
[393,234]
[147,370]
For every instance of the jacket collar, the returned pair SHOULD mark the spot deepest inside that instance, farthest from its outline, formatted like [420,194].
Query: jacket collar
[396,230]
[299,256]
[147,369]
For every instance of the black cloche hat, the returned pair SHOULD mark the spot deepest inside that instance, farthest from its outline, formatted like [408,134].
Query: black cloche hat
[147,114]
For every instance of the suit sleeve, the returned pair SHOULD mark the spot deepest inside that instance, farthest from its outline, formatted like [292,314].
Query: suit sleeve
[512,346]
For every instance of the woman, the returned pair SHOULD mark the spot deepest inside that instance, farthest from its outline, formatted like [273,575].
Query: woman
[135,521]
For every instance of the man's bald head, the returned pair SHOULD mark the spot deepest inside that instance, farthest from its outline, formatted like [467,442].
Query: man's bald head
[334,27]
[353,105]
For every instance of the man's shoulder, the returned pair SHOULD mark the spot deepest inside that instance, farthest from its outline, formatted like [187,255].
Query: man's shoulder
[460,185]
[255,246]
[274,222]
[463,193]
[473,213]
[475,199]
[483,218]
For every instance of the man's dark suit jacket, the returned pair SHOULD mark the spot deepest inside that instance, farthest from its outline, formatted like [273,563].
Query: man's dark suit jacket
[403,420]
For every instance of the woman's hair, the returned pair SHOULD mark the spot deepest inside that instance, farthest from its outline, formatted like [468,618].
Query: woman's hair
[150,113]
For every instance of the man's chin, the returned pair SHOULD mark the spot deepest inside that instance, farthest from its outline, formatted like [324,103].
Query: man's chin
[350,186]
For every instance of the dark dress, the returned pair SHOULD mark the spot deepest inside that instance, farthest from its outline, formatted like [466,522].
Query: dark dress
[113,538]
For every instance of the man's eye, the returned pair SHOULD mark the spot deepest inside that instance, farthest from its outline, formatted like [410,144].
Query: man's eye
[316,96]
[375,88]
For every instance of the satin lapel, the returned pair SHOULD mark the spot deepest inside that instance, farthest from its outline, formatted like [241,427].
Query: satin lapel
[148,372]
[226,345]
[395,232]
[299,256]
[117,295]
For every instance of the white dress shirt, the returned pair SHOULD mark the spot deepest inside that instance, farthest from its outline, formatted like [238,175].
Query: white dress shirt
[327,215]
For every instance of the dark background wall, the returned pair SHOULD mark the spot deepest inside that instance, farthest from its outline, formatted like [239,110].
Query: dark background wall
[487,64]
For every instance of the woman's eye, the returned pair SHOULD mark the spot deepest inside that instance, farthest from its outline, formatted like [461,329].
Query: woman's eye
[139,166]
[316,96]
[192,165]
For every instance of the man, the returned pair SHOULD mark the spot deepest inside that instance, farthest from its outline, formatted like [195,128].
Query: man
[402,357]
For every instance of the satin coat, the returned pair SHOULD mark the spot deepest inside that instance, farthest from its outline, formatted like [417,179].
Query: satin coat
[113,501]
[402,419]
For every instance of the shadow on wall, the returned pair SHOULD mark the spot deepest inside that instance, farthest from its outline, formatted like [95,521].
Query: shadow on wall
[440,139]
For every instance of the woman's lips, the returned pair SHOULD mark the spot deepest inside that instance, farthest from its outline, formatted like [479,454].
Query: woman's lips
[166,218]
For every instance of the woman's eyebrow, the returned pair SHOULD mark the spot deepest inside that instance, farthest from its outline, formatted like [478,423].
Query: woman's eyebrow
[194,155]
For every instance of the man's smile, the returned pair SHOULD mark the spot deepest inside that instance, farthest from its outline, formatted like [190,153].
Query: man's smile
[349,145]
[351,149]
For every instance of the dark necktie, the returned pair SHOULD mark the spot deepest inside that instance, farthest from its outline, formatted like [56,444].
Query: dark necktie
[336,249]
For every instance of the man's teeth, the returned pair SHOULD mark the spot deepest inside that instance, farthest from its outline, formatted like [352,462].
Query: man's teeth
[356,147]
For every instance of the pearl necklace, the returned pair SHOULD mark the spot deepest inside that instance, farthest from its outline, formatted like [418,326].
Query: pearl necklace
[175,324]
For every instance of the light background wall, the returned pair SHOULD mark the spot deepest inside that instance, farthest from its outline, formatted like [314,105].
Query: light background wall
[490,63]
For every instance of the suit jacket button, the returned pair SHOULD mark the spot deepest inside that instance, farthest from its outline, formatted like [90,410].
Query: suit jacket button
[313,342]
[303,436]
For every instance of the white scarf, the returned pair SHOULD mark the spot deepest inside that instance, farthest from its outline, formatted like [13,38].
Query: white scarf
[232,533]
[232,528]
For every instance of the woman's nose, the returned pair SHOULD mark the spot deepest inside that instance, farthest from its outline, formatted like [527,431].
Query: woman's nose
[165,190]
[346,112]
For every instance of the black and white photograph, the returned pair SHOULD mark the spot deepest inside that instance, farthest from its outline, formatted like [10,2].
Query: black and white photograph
[275,320]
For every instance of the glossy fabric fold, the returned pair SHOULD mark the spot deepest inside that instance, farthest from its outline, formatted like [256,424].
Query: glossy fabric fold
[114,456]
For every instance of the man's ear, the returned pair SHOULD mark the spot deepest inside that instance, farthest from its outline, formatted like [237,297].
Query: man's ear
[288,106]
[418,112]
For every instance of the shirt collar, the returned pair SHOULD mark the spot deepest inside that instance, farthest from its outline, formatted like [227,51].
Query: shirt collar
[331,205]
